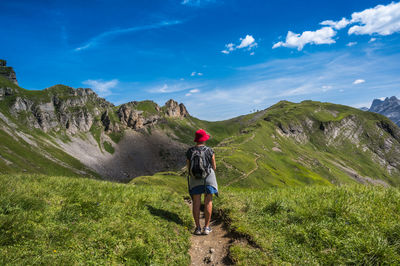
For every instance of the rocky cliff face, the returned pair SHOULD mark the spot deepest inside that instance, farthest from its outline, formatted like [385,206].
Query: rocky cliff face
[7,72]
[116,142]
[173,109]
[323,128]
[77,110]
[131,115]
[59,107]
[389,107]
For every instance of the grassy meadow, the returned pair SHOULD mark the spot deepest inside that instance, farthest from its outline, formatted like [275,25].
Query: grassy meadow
[314,225]
[64,220]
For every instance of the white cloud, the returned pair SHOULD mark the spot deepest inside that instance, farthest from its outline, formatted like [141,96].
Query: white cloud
[192,91]
[358,81]
[165,88]
[95,40]
[336,24]
[294,40]
[351,44]
[252,53]
[194,73]
[382,20]
[326,88]
[247,42]
[197,3]
[102,88]
[172,86]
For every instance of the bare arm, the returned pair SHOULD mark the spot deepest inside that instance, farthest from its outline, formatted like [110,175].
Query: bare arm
[188,165]
[214,165]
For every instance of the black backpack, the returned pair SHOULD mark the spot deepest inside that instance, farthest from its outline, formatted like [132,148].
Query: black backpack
[197,163]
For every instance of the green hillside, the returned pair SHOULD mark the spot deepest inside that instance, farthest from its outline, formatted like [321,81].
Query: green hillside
[76,221]
[300,183]
[31,151]
[311,143]
[314,225]
[64,220]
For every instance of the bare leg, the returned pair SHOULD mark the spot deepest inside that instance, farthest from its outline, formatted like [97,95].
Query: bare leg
[207,209]
[196,209]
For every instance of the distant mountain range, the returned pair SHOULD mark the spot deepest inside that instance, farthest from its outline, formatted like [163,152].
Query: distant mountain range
[74,132]
[389,107]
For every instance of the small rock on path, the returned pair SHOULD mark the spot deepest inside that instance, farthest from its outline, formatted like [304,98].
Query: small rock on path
[211,249]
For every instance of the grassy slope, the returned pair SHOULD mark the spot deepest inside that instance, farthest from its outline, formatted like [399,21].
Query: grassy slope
[18,156]
[83,221]
[315,225]
[25,157]
[57,220]
[300,163]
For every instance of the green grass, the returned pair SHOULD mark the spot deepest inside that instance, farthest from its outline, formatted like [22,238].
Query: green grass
[108,147]
[24,157]
[116,136]
[167,180]
[76,221]
[148,107]
[315,225]
[285,161]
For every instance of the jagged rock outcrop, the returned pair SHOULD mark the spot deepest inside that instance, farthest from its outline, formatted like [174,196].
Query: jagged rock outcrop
[135,119]
[60,107]
[5,92]
[381,142]
[390,107]
[7,72]
[131,116]
[173,109]
[77,110]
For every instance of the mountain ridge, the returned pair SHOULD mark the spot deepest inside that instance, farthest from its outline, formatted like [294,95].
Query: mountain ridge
[285,144]
[389,107]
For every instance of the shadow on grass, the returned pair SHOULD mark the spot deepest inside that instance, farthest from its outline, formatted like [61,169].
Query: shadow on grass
[166,215]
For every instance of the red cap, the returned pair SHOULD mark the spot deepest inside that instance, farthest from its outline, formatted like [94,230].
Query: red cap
[201,135]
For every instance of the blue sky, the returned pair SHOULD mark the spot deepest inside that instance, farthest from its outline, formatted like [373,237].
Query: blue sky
[220,58]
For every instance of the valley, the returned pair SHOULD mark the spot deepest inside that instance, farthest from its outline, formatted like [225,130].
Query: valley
[84,181]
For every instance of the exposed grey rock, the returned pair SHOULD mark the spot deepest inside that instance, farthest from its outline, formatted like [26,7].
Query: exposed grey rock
[390,107]
[5,92]
[135,119]
[173,109]
[20,105]
[7,72]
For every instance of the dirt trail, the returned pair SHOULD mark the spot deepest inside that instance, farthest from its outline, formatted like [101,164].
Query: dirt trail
[245,175]
[211,249]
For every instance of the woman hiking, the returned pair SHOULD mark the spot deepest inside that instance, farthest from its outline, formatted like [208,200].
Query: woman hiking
[201,167]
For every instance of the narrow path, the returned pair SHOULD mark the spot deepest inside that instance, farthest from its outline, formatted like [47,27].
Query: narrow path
[212,249]
[245,175]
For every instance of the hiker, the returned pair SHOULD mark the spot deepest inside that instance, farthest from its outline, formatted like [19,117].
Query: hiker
[201,180]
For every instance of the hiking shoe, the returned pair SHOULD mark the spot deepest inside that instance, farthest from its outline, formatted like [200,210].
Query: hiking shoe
[197,231]
[206,230]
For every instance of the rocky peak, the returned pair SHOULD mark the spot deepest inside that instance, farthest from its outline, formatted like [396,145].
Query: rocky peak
[7,72]
[173,109]
[390,107]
